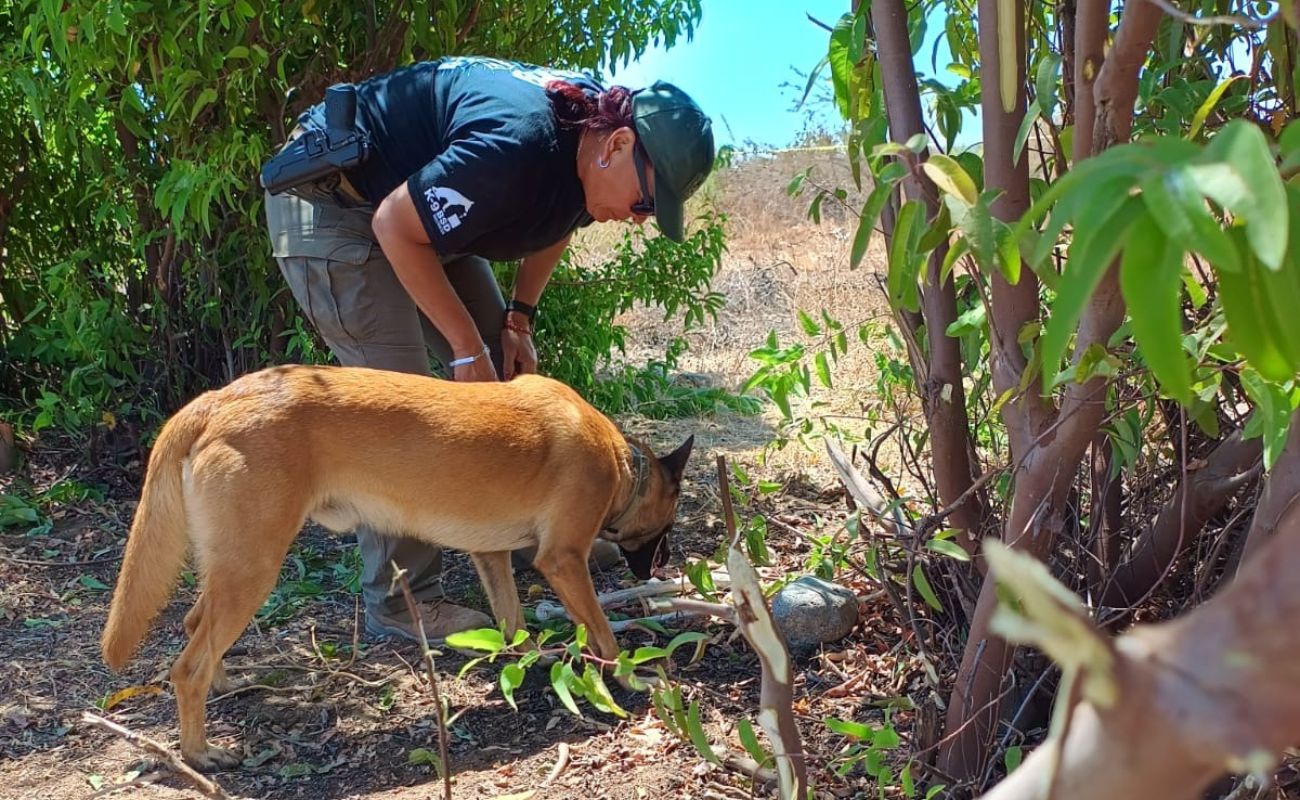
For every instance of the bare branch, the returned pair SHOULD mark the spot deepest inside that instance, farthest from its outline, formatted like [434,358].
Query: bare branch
[205,785]
[1249,23]
[399,577]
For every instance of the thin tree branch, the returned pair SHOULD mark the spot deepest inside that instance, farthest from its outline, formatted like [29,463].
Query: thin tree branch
[201,782]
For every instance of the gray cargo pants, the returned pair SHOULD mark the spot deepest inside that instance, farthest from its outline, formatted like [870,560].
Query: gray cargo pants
[347,290]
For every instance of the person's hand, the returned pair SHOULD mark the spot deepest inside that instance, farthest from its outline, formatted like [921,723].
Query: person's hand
[480,369]
[518,355]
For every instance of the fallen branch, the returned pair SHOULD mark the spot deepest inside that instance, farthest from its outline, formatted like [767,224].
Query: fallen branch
[750,768]
[864,494]
[399,577]
[561,762]
[205,785]
[547,610]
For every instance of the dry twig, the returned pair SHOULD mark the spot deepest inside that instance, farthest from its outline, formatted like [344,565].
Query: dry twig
[561,762]
[208,787]
[399,577]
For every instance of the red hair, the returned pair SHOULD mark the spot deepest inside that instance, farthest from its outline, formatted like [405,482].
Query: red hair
[578,108]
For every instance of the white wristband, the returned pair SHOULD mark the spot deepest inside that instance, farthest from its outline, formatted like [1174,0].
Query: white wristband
[460,362]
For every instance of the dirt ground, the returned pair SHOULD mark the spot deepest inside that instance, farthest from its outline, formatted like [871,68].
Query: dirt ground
[323,720]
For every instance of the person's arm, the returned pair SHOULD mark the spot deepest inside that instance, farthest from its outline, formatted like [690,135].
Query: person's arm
[402,237]
[519,356]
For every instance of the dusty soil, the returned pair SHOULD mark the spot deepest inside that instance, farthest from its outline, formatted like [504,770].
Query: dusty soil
[325,721]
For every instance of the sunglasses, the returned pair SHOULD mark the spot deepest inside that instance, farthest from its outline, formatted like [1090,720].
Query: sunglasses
[645,207]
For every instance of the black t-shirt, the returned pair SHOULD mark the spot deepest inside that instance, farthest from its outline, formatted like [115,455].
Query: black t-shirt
[489,168]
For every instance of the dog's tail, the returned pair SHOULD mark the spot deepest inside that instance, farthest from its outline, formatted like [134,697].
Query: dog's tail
[156,547]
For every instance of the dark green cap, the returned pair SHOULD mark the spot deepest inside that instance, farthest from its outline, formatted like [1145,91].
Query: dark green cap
[678,137]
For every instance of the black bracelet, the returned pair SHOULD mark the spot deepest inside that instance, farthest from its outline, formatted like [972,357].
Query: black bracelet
[523,308]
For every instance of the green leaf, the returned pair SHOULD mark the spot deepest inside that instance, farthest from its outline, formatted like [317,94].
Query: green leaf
[489,640]
[562,677]
[1088,262]
[92,583]
[1012,758]
[904,262]
[206,97]
[1150,279]
[749,741]
[1256,195]
[597,693]
[854,730]
[951,179]
[809,324]
[875,203]
[922,585]
[1181,213]
[949,549]
[420,756]
[1251,327]
[840,57]
[698,737]
[512,677]
[1272,416]
[958,249]
[1202,113]
[886,738]
[1022,133]
[1045,84]
[823,369]
[980,236]
[1008,258]
[683,639]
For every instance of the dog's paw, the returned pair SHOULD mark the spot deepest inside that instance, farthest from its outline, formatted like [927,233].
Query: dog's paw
[214,758]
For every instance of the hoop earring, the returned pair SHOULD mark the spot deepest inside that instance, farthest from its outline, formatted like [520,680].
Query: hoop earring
[602,163]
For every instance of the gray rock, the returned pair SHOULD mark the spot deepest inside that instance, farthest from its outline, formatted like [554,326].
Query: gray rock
[811,611]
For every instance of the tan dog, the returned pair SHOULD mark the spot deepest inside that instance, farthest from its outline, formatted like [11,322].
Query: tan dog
[481,467]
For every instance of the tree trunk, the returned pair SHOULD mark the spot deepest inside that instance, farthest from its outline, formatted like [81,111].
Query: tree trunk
[1280,492]
[1200,496]
[1054,451]
[1214,691]
[941,378]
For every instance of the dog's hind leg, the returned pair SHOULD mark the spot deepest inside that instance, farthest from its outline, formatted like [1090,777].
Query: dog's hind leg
[239,546]
[498,580]
[221,682]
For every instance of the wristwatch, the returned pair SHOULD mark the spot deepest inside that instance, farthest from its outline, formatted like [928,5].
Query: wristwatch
[521,307]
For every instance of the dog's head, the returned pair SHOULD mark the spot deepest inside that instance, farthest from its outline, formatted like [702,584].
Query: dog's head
[641,532]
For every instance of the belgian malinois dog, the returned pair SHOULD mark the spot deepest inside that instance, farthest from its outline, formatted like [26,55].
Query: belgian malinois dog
[485,468]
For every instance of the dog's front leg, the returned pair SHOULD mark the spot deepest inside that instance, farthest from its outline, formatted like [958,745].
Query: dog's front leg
[566,571]
[498,580]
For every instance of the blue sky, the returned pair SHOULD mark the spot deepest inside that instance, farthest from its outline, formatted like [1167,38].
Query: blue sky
[746,60]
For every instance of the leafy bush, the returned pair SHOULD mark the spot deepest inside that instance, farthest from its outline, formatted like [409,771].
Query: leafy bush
[134,268]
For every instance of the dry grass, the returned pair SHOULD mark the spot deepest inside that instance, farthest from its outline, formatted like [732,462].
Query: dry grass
[778,261]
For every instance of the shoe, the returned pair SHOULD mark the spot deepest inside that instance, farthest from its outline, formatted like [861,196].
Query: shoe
[440,619]
[604,555]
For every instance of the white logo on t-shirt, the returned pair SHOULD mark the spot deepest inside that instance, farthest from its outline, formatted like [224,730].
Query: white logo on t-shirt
[448,206]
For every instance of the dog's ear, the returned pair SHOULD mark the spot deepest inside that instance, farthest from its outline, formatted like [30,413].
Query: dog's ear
[675,462]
